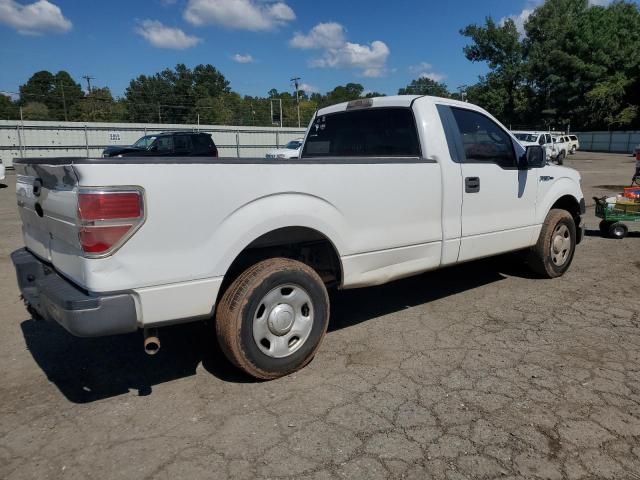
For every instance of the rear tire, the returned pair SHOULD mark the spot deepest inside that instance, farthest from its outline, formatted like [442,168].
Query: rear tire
[573,150]
[553,253]
[618,230]
[271,320]
[560,159]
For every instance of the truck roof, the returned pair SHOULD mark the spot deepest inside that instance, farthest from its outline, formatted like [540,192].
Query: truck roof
[391,101]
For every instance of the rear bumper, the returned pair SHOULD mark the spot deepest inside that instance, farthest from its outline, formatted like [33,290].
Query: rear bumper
[83,314]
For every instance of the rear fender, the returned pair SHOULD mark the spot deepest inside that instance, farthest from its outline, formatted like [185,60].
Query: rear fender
[272,212]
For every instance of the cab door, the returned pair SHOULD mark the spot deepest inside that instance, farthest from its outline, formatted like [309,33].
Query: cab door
[499,199]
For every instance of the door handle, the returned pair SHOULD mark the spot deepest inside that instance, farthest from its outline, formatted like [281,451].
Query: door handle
[472,184]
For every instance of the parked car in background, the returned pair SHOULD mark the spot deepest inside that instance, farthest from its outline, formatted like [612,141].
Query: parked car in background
[563,147]
[543,139]
[574,144]
[173,144]
[291,150]
[141,144]
[384,188]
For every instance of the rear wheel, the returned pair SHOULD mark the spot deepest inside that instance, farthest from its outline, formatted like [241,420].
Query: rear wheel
[573,150]
[560,158]
[273,317]
[553,253]
[618,230]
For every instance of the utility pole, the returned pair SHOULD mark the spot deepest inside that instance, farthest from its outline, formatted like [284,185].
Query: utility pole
[64,102]
[93,106]
[295,81]
[88,79]
[159,116]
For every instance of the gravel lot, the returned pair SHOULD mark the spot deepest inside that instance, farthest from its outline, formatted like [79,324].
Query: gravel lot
[472,372]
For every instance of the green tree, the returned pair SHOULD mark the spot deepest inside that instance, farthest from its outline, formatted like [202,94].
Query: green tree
[171,96]
[500,46]
[98,106]
[584,62]
[425,86]
[35,111]
[342,93]
[59,92]
[8,108]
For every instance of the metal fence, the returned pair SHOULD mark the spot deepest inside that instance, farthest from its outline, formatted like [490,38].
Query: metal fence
[77,139]
[615,142]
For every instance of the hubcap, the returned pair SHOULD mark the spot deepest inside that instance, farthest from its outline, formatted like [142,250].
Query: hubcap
[283,321]
[560,245]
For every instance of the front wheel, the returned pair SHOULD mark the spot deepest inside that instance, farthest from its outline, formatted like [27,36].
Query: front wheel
[560,158]
[553,253]
[273,317]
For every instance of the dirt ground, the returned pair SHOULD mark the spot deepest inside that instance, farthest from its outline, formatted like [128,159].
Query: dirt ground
[477,371]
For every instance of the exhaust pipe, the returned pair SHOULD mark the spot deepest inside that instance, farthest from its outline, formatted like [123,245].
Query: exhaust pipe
[151,341]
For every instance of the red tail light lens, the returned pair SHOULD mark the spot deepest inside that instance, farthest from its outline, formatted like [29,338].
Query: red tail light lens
[109,205]
[98,240]
[107,218]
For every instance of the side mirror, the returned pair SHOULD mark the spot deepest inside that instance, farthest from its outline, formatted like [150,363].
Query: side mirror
[534,157]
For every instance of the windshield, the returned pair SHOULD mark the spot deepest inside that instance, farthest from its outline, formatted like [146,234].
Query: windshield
[293,145]
[527,137]
[144,142]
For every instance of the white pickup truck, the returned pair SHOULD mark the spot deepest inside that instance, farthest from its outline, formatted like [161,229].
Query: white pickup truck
[384,188]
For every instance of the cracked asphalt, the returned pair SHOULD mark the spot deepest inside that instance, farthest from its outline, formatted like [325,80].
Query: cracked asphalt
[477,371]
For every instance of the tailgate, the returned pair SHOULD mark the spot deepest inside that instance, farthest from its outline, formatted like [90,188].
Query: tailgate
[47,204]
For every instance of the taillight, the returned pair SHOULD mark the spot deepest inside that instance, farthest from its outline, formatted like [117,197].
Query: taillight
[108,217]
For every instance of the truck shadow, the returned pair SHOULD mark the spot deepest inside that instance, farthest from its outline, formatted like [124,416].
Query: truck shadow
[87,370]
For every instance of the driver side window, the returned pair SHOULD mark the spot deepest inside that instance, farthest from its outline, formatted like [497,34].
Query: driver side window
[483,140]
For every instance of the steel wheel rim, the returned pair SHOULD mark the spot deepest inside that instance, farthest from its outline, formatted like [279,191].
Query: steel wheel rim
[283,320]
[560,245]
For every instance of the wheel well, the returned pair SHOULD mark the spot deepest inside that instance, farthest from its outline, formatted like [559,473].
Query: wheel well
[297,243]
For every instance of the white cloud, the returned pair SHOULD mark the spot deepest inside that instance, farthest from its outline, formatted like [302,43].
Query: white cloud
[425,70]
[238,58]
[305,87]
[338,53]
[239,14]
[323,35]
[35,18]
[162,36]
[520,18]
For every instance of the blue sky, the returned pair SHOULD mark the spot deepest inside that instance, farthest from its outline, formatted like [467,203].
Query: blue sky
[256,44]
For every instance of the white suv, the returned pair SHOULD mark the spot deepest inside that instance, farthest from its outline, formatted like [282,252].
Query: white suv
[290,151]
[574,144]
[563,147]
[543,139]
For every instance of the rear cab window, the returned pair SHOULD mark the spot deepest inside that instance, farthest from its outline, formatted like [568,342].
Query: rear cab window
[374,132]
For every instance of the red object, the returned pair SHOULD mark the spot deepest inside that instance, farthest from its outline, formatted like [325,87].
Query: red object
[106,218]
[102,239]
[109,206]
[632,192]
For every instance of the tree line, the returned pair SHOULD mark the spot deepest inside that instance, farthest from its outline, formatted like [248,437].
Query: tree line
[574,66]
